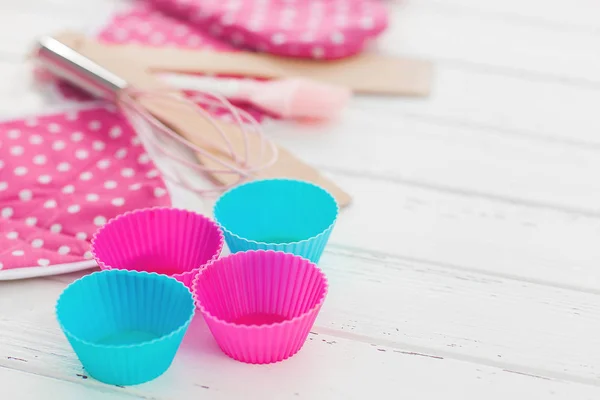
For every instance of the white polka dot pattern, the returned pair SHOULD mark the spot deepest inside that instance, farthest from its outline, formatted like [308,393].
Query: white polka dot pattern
[44,179]
[58,145]
[63,167]
[12,235]
[68,189]
[77,136]
[81,235]
[25,195]
[7,212]
[36,139]
[30,221]
[118,201]
[20,170]
[62,177]
[98,145]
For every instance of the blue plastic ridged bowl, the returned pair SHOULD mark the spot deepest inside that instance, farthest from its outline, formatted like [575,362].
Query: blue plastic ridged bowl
[277,214]
[125,326]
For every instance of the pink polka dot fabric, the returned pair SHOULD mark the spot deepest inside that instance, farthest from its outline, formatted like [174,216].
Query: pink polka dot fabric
[144,24]
[64,175]
[323,29]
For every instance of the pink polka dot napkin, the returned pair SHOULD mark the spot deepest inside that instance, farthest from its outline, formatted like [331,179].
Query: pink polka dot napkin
[64,175]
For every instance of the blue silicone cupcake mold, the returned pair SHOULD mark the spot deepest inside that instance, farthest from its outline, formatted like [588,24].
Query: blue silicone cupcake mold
[277,214]
[125,326]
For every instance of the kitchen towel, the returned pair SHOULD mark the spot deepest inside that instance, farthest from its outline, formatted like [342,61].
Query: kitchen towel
[61,177]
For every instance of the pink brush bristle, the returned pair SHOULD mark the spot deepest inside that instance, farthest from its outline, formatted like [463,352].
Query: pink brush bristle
[300,98]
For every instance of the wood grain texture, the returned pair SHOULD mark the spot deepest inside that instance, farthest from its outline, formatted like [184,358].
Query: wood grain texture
[444,156]
[19,93]
[37,387]
[455,36]
[555,14]
[438,325]
[508,104]
[454,313]
[501,238]
[466,267]
[31,22]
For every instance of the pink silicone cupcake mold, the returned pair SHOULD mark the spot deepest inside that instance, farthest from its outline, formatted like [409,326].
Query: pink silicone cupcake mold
[163,240]
[260,305]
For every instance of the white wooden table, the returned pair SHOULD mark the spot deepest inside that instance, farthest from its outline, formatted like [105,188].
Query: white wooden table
[468,266]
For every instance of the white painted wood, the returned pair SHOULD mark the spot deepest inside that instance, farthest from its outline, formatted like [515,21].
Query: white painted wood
[448,157]
[30,386]
[20,93]
[461,314]
[498,237]
[508,105]
[430,327]
[456,37]
[64,7]
[466,267]
[19,27]
[557,14]
[328,367]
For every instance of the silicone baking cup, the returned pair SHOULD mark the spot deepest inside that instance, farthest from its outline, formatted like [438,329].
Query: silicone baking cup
[164,240]
[125,326]
[277,214]
[260,305]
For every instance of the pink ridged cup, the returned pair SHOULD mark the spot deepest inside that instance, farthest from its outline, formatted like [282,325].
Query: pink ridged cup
[164,240]
[260,305]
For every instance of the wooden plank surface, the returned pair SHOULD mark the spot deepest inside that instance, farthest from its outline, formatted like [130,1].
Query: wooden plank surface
[467,266]
[452,156]
[573,15]
[332,365]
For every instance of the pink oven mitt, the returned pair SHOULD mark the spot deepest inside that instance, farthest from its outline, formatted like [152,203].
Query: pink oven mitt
[61,177]
[297,28]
